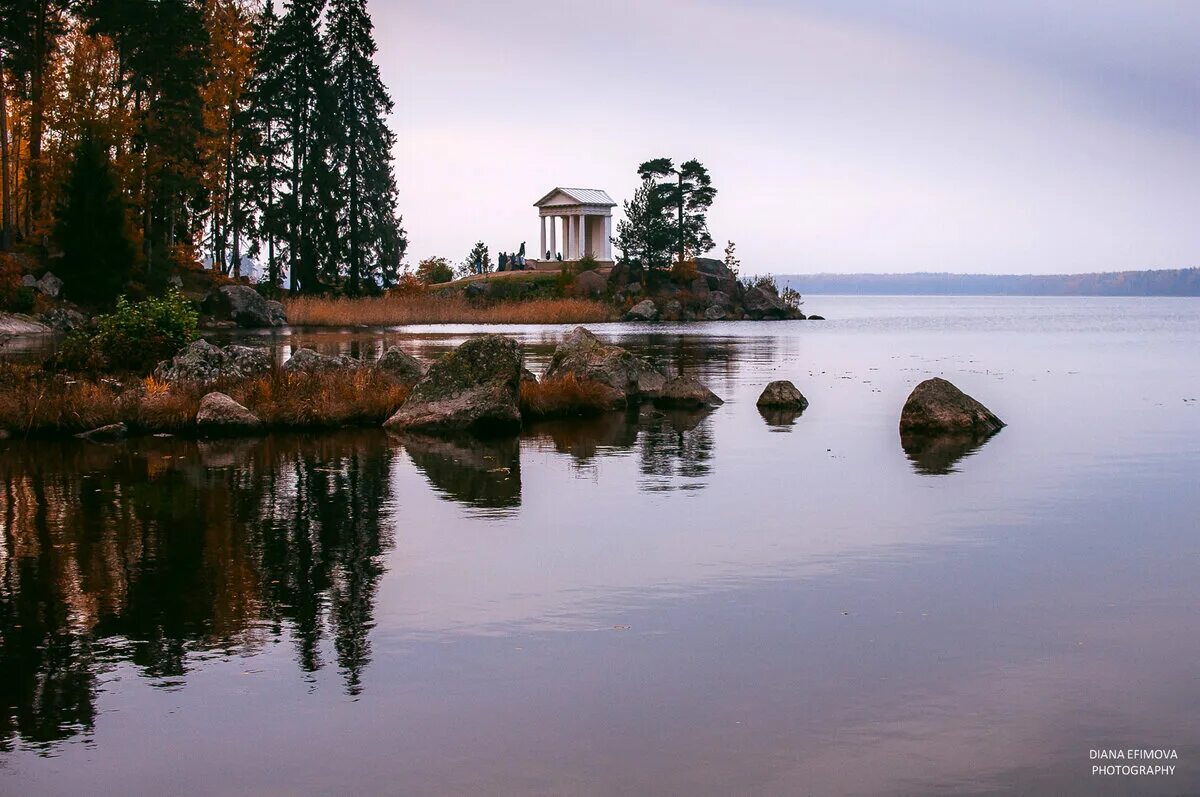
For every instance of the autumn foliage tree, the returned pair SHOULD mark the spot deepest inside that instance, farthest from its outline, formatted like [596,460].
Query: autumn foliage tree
[234,130]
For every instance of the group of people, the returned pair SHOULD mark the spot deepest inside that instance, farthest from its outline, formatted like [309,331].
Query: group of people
[516,262]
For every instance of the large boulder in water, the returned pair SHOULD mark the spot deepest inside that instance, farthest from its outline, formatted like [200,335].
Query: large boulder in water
[244,306]
[937,406]
[220,414]
[584,356]
[474,388]
[201,362]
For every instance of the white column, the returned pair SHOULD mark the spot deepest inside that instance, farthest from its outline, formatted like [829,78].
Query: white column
[571,234]
[553,237]
[542,252]
[582,250]
[607,248]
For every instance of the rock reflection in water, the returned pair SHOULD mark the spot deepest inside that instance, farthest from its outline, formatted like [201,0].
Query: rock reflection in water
[153,552]
[674,448]
[779,419]
[939,454]
[478,472]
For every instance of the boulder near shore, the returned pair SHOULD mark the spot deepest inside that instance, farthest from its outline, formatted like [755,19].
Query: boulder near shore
[683,392]
[587,358]
[221,414]
[475,388]
[938,406]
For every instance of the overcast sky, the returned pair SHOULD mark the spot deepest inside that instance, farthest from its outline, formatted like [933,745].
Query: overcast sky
[1017,136]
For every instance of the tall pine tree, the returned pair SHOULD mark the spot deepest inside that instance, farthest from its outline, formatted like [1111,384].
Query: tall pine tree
[302,87]
[372,240]
[97,253]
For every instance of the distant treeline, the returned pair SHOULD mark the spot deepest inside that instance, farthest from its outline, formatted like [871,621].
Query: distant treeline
[1169,282]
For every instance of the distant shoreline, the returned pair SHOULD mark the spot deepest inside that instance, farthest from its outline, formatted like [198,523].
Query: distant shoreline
[1167,282]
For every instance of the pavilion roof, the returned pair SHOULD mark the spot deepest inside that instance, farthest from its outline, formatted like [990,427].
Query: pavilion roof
[583,196]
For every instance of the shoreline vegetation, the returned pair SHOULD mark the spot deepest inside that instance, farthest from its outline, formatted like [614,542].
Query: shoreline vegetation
[443,308]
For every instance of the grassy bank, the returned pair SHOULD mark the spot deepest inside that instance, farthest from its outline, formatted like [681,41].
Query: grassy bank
[34,403]
[443,308]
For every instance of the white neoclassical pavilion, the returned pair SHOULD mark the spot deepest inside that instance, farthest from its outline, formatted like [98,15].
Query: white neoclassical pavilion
[584,216]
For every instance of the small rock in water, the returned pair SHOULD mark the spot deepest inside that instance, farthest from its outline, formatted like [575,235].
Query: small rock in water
[685,392]
[783,395]
[106,434]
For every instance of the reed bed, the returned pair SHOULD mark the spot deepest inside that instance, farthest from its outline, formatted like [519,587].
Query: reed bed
[433,308]
[35,403]
[560,398]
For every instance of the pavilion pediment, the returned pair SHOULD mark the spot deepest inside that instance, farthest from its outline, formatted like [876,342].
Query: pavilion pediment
[563,197]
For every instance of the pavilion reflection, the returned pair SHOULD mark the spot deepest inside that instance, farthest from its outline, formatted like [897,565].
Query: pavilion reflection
[150,553]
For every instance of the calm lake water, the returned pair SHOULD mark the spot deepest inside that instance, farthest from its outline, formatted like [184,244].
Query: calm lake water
[646,603]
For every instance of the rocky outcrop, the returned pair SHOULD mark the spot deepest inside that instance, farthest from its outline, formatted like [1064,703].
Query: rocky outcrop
[590,283]
[683,392]
[717,275]
[782,395]
[106,434]
[65,319]
[643,311]
[715,313]
[401,366]
[49,285]
[672,310]
[244,306]
[276,313]
[937,406]
[203,363]
[220,414]
[584,356]
[762,303]
[304,361]
[474,388]
[19,324]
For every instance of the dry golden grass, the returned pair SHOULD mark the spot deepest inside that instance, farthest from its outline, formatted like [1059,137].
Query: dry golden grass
[38,404]
[435,308]
[360,397]
[567,396]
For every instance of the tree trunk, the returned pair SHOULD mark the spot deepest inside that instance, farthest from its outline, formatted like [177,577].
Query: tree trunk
[682,236]
[355,204]
[5,191]
[37,112]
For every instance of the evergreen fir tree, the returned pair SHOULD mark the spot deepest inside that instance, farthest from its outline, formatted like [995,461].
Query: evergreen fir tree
[372,238]
[645,236]
[478,261]
[98,256]
[302,87]
[260,154]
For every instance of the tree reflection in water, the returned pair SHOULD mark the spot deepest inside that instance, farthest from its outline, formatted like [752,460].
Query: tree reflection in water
[153,552]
